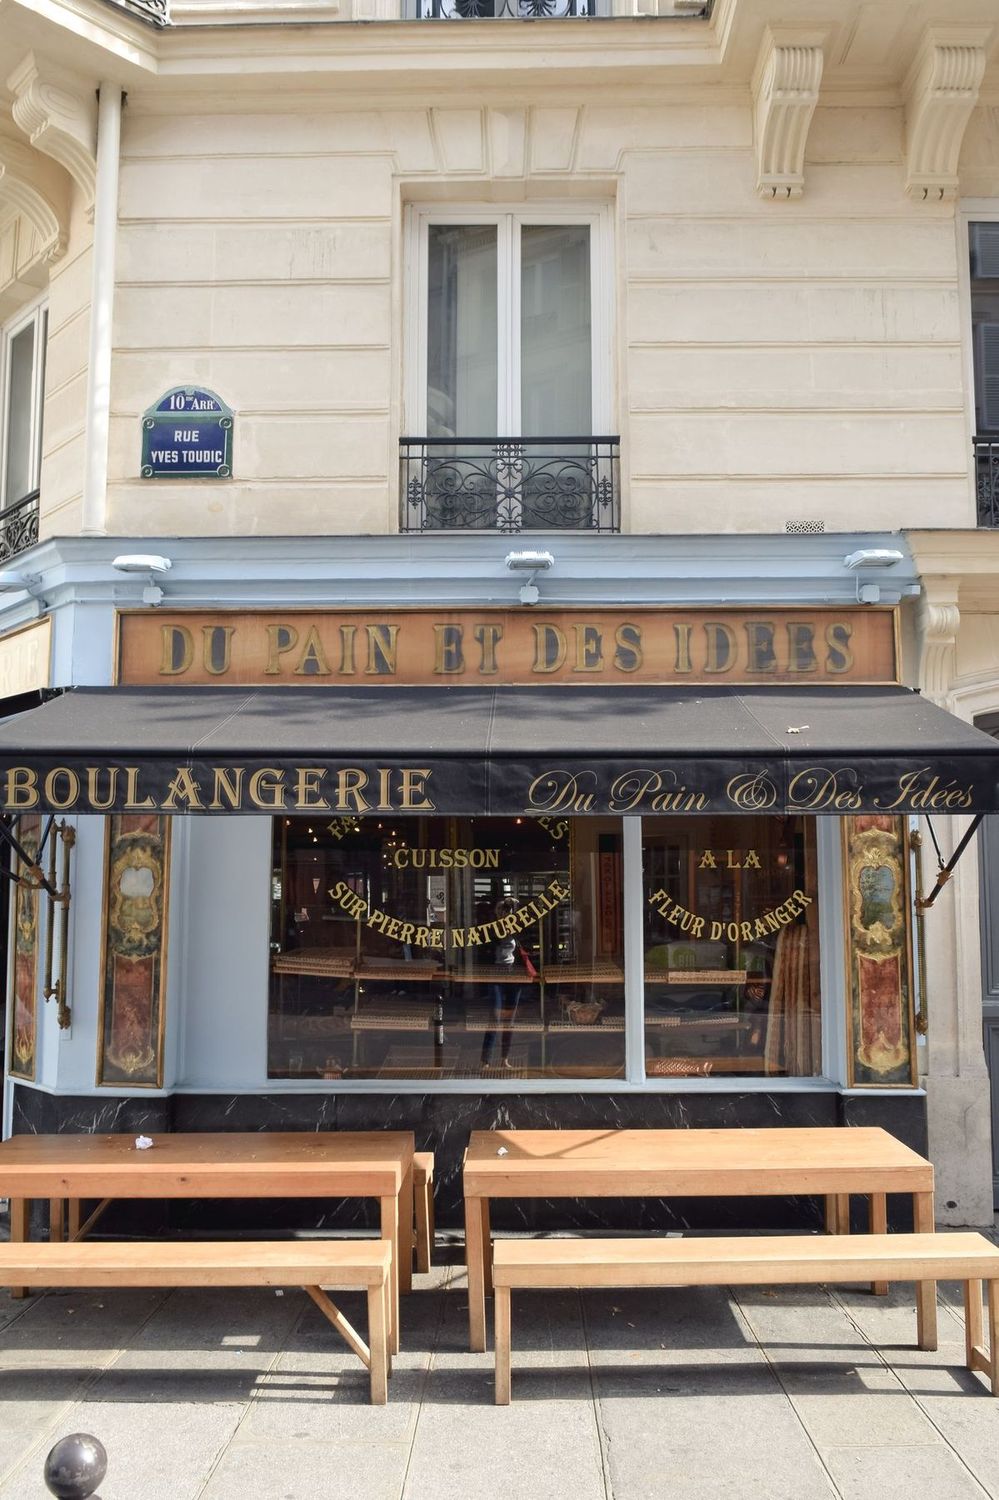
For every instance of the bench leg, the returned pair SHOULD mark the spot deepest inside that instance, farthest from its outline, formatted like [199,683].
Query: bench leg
[502,1345]
[378,1341]
[830,1213]
[926,1291]
[975,1356]
[475,1266]
[74,1218]
[406,1237]
[391,1232]
[57,1217]
[994,1336]
[424,1192]
[842,1213]
[879,1225]
[19,1232]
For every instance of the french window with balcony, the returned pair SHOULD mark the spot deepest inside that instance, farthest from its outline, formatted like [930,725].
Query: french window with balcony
[985,344]
[509,373]
[22,382]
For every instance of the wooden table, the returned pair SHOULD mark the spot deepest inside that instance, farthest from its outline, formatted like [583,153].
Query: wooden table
[833,1162]
[336,1164]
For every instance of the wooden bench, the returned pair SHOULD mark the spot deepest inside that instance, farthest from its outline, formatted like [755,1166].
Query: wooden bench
[764,1260]
[310,1264]
[423,1203]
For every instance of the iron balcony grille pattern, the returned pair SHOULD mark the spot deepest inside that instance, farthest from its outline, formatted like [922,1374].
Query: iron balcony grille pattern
[510,484]
[18,526]
[501,10]
[987,480]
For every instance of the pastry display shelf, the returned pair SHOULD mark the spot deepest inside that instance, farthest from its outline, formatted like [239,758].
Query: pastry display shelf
[604,1023]
[488,1020]
[703,976]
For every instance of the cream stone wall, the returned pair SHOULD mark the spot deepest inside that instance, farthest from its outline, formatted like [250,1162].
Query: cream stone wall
[66,382]
[775,361]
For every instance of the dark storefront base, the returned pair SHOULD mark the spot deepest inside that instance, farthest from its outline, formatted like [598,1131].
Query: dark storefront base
[442,1122]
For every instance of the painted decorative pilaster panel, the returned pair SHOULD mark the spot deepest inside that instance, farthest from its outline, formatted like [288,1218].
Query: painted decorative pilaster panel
[24,989]
[879,960]
[133,960]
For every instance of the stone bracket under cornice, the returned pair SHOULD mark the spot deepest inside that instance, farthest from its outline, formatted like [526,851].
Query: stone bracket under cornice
[941,91]
[785,92]
[939,618]
[39,190]
[58,120]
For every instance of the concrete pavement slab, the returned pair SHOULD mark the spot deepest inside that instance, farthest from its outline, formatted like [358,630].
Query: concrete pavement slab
[85,1328]
[729,1432]
[924,1473]
[291,1470]
[544,1444]
[156,1451]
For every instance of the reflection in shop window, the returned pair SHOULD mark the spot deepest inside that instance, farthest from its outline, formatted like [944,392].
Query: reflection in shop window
[446,948]
[731,947]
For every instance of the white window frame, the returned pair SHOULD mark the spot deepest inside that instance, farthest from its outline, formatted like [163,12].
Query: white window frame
[36,314]
[509,222]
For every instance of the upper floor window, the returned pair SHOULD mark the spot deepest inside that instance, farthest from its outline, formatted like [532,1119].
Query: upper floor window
[22,379]
[501,10]
[985,347]
[508,371]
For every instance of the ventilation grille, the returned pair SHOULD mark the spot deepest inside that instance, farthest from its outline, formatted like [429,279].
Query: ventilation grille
[804,528]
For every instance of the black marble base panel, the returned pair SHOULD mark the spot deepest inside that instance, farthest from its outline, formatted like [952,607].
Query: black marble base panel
[442,1122]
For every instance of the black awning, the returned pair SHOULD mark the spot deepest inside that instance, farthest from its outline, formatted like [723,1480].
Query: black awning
[503,751]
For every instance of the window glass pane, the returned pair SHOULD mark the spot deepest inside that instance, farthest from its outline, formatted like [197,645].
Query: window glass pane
[462,357]
[985,324]
[555,339]
[731,947]
[18,475]
[446,948]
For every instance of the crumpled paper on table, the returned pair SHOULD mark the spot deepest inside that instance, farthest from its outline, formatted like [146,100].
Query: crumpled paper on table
[143,1142]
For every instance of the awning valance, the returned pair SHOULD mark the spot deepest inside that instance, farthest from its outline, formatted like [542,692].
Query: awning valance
[509,751]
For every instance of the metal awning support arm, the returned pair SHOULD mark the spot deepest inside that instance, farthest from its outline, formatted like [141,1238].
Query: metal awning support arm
[923,903]
[33,875]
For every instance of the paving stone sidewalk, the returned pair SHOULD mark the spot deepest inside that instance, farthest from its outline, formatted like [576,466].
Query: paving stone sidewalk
[794,1394]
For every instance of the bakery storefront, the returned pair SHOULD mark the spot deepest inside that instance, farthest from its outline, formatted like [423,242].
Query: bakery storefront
[446,869]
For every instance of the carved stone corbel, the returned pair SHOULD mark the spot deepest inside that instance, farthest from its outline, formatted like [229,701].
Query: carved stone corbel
[785,92]
[58,121]
[39,191]
[941,91]
[939,620]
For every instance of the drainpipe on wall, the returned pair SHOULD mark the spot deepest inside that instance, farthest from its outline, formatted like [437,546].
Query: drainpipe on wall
[95,478]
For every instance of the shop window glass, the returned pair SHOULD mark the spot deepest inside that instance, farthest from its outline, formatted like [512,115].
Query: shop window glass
[446,948]
[731,947]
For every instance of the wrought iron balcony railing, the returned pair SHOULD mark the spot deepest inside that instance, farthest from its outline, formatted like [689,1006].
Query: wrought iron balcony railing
[987,480]
[502,10]
[510,484]
[18,526]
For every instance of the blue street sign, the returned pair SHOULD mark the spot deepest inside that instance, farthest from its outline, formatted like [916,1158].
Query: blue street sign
[187,435]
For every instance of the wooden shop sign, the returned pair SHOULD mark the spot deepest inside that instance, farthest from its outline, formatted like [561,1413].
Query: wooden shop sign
[500,647]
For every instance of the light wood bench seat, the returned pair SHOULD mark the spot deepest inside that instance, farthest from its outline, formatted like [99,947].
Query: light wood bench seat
[750,1261]
[423,1203]
[310,1264]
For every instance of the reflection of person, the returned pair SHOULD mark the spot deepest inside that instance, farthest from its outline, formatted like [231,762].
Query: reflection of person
[505,995]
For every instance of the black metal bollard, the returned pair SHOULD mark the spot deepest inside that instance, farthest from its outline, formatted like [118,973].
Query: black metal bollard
[76,1466]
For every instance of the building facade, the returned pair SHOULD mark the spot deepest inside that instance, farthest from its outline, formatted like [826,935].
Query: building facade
[502,471]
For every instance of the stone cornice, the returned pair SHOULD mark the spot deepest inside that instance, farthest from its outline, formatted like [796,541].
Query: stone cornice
[941,91]
[39,190]
[785,93]
[57,120]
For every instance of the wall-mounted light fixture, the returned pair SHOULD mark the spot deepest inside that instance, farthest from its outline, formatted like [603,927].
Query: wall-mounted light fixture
[871,557]
[532,563]
[151,564]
